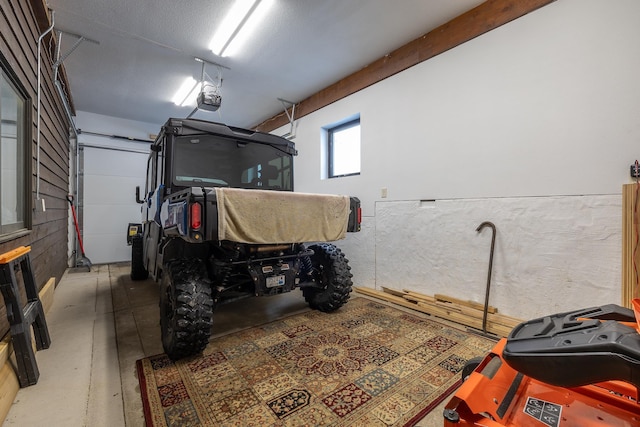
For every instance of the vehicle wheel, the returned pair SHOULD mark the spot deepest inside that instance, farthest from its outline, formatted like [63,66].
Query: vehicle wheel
[330,270]
[470,366]
[138,272]
[186,308]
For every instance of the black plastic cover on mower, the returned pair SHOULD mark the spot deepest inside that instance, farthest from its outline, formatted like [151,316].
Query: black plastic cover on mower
[577,348]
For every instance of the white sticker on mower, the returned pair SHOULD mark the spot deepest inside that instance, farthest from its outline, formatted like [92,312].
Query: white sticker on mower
[546,412]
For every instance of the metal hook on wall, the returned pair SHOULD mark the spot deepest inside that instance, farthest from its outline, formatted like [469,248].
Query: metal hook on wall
[486,297]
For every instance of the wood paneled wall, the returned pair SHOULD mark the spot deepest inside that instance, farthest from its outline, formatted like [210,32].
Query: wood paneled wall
[48,234]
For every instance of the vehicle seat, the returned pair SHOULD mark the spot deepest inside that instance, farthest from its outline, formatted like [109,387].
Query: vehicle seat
[267,174]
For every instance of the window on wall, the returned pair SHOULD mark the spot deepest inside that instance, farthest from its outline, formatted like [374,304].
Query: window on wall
[343,149]
[13,159]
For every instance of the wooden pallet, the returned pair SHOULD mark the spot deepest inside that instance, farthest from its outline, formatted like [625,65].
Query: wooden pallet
[468,313]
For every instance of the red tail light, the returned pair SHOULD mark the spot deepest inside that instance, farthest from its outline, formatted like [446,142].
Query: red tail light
[359,215]
[196,216]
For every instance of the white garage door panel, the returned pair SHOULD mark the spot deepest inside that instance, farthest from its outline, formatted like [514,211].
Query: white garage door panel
[110,178]
[109,219]
[114,163]
[111,190]
[102,247]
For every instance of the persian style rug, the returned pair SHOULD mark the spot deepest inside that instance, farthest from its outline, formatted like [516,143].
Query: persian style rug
[367,364]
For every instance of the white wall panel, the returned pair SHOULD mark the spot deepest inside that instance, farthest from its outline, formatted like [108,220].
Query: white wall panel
[551,254]
[360,249]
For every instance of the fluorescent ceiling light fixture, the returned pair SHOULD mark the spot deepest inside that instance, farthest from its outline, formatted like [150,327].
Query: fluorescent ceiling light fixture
[242,19]
[249,28]
[187,92]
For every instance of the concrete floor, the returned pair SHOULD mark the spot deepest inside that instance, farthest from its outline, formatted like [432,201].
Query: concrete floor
[100,323]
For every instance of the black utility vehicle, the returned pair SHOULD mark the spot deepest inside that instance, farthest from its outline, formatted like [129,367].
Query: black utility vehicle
[220,221]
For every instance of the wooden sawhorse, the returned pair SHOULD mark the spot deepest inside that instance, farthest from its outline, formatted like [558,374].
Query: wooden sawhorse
[21,319]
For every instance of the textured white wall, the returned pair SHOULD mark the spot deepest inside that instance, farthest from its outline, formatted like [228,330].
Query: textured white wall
[551,254]
[532,126]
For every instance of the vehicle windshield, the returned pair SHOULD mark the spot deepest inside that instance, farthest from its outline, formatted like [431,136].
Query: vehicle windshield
[214,161]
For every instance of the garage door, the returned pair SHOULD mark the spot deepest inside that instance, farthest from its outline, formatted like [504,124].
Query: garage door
[109,179]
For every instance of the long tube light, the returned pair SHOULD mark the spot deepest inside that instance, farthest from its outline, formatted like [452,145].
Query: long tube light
[186,93]
[236,27]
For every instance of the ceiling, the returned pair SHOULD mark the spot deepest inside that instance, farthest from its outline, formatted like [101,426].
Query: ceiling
[147,47]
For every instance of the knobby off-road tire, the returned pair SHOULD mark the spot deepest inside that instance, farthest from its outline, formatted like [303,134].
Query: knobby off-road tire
[331,270]
[186,308]
[138,272]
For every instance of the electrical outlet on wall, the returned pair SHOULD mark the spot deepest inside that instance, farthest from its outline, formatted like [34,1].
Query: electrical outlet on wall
[39,205]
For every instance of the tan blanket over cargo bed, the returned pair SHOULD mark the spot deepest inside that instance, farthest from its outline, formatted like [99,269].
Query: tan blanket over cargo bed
[263,216]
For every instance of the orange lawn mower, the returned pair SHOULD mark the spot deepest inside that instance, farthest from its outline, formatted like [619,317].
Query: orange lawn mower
[574,369]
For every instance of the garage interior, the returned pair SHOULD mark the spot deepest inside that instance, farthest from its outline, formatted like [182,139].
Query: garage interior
[496,150]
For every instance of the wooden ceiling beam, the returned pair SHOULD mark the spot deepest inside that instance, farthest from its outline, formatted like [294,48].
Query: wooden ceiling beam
[479,20]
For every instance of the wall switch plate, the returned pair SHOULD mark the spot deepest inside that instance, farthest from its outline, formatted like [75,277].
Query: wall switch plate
[383,192]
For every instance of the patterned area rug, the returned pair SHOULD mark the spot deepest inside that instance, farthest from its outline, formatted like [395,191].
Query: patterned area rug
[367,364]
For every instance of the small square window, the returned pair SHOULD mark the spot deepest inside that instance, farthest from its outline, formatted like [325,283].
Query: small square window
[343,154]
